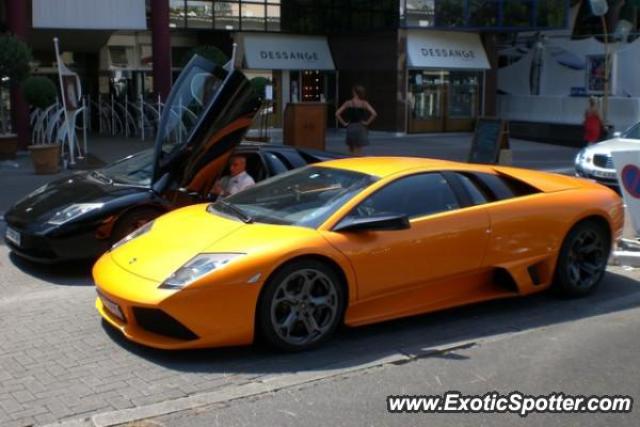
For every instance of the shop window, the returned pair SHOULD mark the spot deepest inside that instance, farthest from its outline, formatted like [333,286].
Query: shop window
[463,94]
[450,13]
[177,13]
[253,16]
[419,13]
[517,13]
[549,15]
[483,13]
[227,15]
[312,86]
[425,94]
[273,17]
[119,56]
[199,14]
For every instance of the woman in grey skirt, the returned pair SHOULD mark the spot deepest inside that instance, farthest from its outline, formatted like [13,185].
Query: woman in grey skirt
[356,115]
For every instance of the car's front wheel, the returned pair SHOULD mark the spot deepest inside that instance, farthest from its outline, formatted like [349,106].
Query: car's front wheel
[583,259]
[301,306]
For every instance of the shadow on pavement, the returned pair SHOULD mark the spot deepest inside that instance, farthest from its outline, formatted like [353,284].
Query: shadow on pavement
[420,336]
[66,274]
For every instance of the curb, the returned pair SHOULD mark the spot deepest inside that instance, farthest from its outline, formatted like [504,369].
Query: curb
[264,385]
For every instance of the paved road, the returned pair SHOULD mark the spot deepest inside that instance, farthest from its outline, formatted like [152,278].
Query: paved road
[59,362]
[595,354]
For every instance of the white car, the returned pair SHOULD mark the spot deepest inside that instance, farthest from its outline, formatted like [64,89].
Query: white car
[595,161]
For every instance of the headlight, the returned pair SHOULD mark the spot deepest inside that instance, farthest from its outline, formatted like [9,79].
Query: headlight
[583,157]
[196,268]
[38,191]
[139,232]
[72,212]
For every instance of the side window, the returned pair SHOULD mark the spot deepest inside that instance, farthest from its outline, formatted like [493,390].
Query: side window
[478,197]
[255,166]
[414,196]
[497,186]
[276,165]
[503,187]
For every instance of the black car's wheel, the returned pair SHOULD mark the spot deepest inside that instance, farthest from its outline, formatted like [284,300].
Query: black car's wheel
[131,221]
[583,259]
[301,306]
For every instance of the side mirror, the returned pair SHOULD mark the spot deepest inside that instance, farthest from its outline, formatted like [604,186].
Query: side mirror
[617,134]
[388,222]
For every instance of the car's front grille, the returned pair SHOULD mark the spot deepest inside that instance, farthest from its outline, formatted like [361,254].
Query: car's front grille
[603,161]
[159,322]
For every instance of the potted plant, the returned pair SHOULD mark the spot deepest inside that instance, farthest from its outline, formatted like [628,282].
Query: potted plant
[14,67]
[40,92]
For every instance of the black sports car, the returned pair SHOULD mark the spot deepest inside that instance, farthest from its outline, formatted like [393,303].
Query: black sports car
[208,113]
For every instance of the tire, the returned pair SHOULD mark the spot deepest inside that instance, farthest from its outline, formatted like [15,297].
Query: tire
[131,221]
[301,296]
[583,260]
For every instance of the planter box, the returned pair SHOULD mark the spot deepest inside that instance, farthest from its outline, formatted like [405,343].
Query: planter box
[46,158]
[8,146]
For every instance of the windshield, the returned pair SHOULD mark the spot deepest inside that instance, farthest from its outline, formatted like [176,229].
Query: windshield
[304,197]
[632,133]
[134,170]
[196,87]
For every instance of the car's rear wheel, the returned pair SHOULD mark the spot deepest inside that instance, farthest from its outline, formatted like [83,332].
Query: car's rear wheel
[583,259]
[301,306]
[131,221]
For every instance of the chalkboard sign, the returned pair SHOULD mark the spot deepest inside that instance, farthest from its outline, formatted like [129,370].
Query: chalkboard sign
[490,136]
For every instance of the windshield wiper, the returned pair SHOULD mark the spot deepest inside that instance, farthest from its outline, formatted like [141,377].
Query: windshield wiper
[237,211]
[101,177]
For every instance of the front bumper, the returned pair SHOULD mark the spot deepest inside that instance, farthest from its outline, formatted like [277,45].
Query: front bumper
[46,249]
[214,316]
[605,177]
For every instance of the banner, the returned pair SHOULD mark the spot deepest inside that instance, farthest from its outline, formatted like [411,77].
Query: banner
[627,165]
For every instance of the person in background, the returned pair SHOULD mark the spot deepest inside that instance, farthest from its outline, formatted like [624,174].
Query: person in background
[358,115]
[592,122]
[237,180]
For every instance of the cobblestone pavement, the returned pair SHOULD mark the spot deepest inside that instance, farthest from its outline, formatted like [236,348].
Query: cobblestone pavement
[58,361]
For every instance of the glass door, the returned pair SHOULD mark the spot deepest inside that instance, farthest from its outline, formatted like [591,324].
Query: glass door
[463,101]
[427,94]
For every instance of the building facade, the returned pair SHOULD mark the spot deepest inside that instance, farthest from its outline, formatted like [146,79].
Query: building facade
[428,65]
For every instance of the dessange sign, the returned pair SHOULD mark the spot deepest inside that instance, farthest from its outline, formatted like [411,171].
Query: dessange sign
[446,50]
[280,52]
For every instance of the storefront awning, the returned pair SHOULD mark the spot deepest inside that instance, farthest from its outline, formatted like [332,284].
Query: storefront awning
[285,52]
[445,50]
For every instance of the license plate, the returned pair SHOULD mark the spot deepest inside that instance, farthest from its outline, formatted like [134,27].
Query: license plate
[13,236]
[111,306]
[603,174]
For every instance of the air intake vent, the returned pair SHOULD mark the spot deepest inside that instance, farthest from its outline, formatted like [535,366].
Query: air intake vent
[159,322]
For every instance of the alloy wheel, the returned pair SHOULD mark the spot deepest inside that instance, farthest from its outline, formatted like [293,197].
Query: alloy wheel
[304,307]
[587,259]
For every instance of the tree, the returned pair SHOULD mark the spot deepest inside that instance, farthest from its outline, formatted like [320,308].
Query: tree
[14,66]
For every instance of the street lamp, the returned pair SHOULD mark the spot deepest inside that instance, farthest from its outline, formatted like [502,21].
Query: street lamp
[600,8]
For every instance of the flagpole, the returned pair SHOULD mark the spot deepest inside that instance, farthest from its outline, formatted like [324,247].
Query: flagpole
[64,102]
